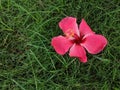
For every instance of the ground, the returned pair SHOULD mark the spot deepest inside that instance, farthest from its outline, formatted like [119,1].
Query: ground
[27,60]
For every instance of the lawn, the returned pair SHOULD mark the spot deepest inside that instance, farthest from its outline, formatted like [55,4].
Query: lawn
[29,62]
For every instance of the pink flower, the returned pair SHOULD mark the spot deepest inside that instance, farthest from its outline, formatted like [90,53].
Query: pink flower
[77,39]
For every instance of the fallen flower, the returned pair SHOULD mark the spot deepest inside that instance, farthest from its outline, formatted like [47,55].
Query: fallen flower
[77,39]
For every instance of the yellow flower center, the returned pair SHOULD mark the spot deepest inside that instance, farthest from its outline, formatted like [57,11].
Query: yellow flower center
[69,33]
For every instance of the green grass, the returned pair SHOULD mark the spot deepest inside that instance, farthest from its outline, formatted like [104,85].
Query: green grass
[27,60]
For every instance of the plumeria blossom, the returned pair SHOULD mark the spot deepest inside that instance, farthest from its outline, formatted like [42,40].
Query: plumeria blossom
[77,39]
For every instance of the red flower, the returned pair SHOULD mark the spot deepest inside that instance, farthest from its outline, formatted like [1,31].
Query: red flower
[77,39]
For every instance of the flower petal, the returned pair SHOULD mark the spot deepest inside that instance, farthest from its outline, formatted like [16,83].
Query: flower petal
[61,44]
[69,23]
[84,28]
[78,51]
[94,43]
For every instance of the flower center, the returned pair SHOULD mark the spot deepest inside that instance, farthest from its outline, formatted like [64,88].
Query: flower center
[77,39]
[73,37]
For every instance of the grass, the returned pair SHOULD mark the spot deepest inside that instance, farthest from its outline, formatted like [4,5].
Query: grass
[27,60]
